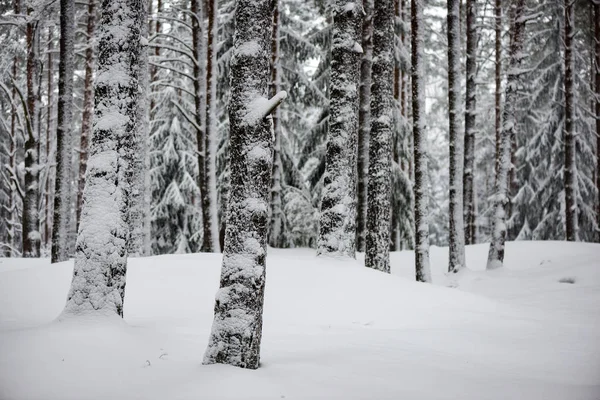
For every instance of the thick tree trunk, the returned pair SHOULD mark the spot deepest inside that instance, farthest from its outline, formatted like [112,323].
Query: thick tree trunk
[62,185]
[210,242]
[597,107]
[98,285]
[422,269]
[138,210]
[380,142]
[276,227]
[237,327]
[30,222]
[498,78]
[337,230]
[364,124]
[501,190]
[456,259]
[570,134]
[470,115]
[88,104]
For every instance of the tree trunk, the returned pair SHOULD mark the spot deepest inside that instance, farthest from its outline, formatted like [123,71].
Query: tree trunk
[62,185]
[597,107]
[337,229]
[470,115]
[30,222]
[570,134]
[456,259]
[137,243]
[210,242]
[98,285]
[498,78]
[364,122]
[237,326]
[517,33]
[422,269]
[380,139]
[276,228]
[88,104]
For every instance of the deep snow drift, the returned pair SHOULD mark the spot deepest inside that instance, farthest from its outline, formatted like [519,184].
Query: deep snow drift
[332,330]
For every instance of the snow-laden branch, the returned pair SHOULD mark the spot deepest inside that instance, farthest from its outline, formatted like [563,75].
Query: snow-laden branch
[260,107]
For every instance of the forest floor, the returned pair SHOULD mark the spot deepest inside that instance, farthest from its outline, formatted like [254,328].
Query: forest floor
[332,330]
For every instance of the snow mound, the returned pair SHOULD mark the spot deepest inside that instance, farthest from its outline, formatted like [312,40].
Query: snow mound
[333,329]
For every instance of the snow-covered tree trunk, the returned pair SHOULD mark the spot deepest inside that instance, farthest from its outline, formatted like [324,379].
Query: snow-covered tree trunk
[498,78]
[515,58]
[456,259]
[470,119]
[137,217]
[49,108]
[276,232]
[12,163]
[30,222]
[380,139]
[98,284]
[337,228]
[62,185]
[88,104]
[237,326]
[364,124]
[597,107]
[570,134]
[210,241]
[422,269]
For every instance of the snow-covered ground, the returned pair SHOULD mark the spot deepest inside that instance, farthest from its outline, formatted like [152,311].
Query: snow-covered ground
[332,330]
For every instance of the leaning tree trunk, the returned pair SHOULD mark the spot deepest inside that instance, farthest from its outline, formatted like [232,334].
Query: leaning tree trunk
[380,139]
[276,227]
[597,106]
[337,229]
[456,259]
[210,242]
[237,326]
[470,116]
[62,184]
[515,58]
[30,217]
[98,284]
[364,121]
[570,134]
[422,269]
[88,104]
[136,245]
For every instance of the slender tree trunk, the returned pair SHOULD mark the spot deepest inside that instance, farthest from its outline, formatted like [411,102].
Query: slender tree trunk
[153,69]
[276,227]
[457,232]
[88,104]
[50,89]
[210,241]
[98,285]
[237,327]
[597,107]
[470,115]
[364,124]
[501,190]
[422,269]
[570,134]
[337,230]
[30,216]
[498,78]
[380,142]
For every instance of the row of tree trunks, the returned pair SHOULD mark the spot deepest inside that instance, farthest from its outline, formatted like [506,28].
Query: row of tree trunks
[597,105]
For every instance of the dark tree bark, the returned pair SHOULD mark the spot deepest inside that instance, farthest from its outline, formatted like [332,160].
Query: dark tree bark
[380,142]
[88,104]
[597,105]
[498,78]
[30,217]
[98,285]
[570,134]
[237,327]
[456,259]
[210,242]
[422,269]
[337,229]
[501,190]
[470,119]
[62,184]
[364,124]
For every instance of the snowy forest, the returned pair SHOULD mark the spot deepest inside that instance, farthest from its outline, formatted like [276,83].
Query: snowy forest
[438,134]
